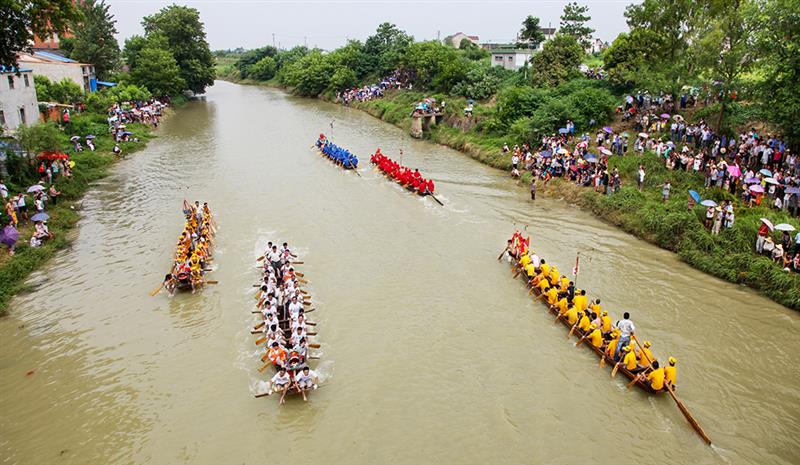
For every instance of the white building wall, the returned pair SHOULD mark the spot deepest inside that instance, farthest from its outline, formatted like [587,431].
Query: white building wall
[20,97]
[56,72]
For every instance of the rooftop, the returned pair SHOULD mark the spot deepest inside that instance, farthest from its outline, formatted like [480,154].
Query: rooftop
[47,57]
[523,51]
[13,70]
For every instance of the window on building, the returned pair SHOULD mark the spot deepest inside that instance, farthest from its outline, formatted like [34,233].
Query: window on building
[2,118]
[27,80]
[10,82]
[22,115]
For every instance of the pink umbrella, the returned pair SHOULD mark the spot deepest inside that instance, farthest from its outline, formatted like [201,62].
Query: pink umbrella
[734,171]
[756,188]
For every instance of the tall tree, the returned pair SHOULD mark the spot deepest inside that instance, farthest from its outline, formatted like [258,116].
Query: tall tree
[158,70]
[573,23]
[672,25]
[187,41]
[94,38]
[20,20]
[386,48]
[531,34]
[778,46]
[558,61]
[726,46]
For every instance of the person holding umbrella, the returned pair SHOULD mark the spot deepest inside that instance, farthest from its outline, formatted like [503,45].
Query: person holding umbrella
[9,236]
[763,233]
[22,207]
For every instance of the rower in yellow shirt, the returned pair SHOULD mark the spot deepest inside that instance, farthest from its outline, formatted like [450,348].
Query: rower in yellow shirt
[671,372]
[595,306]
[595,337]
[605,321]
[612,344]
[530,270]
[525,260]
[571,314]
[554,275]
[656,377]
[542,285]
[629,360]
[564,283]
[544,267]
[646,355]
[580,301]
[584,322]
[552,296]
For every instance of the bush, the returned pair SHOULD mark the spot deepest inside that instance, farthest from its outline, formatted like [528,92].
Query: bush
[263,70]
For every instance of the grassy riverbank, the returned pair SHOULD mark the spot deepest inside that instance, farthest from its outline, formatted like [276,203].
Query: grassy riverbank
[671,226]
[89,167]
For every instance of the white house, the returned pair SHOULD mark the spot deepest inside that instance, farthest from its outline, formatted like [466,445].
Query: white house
[511,58]
[56,68]
[18,104]
[455,39]
[549,33]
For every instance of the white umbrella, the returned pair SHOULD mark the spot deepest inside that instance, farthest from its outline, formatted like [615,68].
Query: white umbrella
[644,134]
[771,181]
[784,227]
[562,151]
[708,203]
[605,151]
[768,223]
[35,188]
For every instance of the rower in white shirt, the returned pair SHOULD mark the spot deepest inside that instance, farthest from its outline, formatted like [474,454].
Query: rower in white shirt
[280,383]
[306,379]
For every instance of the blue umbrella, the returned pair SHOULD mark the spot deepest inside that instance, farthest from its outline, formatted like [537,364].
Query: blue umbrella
[695,195]
[590,159]
[608,129]
[792,190]
[127,133]
[708,203]
[766,172]
[546,154]
[40,217]
[90,136]
[563,131]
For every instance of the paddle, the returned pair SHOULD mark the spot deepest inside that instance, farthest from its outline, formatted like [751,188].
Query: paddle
[630,385]
[314,346]
[157,290]
[501,253]
[580,341]
[260,325]
[614,371]
[437,200]
[603,361]
[261,341]
[261,258]
[299,274]
[569,334]
[211,282]
[298,263]
[302,281]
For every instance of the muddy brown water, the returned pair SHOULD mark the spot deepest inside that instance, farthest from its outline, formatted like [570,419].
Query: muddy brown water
[431,353]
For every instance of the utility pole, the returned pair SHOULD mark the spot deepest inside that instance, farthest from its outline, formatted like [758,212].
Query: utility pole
[438,36]
[305,41]
[273,39]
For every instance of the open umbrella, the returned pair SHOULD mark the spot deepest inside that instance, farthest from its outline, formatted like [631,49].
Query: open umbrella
[590,159]
[734,171]
[784,227]
[605,151]
[73,138]
[665,115]
[127,133]
[766,172]
[708,203]
[9,235]
[625,134]
[677,117]
[90,136]
[40,217]
[694,195]
[608,129]
[751,181]
[563,151]
[35,188]
[771,181]
[644,135]
[582,144]
[563,131]
[546,154]
[792,190]
[768,223]
[757,189]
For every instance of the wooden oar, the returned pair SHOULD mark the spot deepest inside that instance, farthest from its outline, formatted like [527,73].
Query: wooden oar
[261,258]
[569,334]
[211,282]
[302,281]
[299,274]
[156,290]
[603,361]
[580,341]
[298,263]
[260,325]
[437,200]
[314,346]
[614,371]
[630,385]
[261,341]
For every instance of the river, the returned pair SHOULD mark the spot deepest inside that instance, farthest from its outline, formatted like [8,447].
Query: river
[431,352]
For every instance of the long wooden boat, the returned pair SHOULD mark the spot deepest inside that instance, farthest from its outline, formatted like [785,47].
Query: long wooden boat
[181,277]
[285,327]
[350,164]
[597,350]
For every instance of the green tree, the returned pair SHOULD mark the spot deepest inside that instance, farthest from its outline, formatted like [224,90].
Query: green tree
[158,70]
[310,75]
[531,35]
[251,57]
[385,48]
[558,61]
[778,45]
[573,23]
[186,38]
[20,20]
[628,59]
[726,46]
[94,40]
[134,45]
[435,63]
[43,86]
[263,70]
[673,27]
[343,78]
[41,137]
